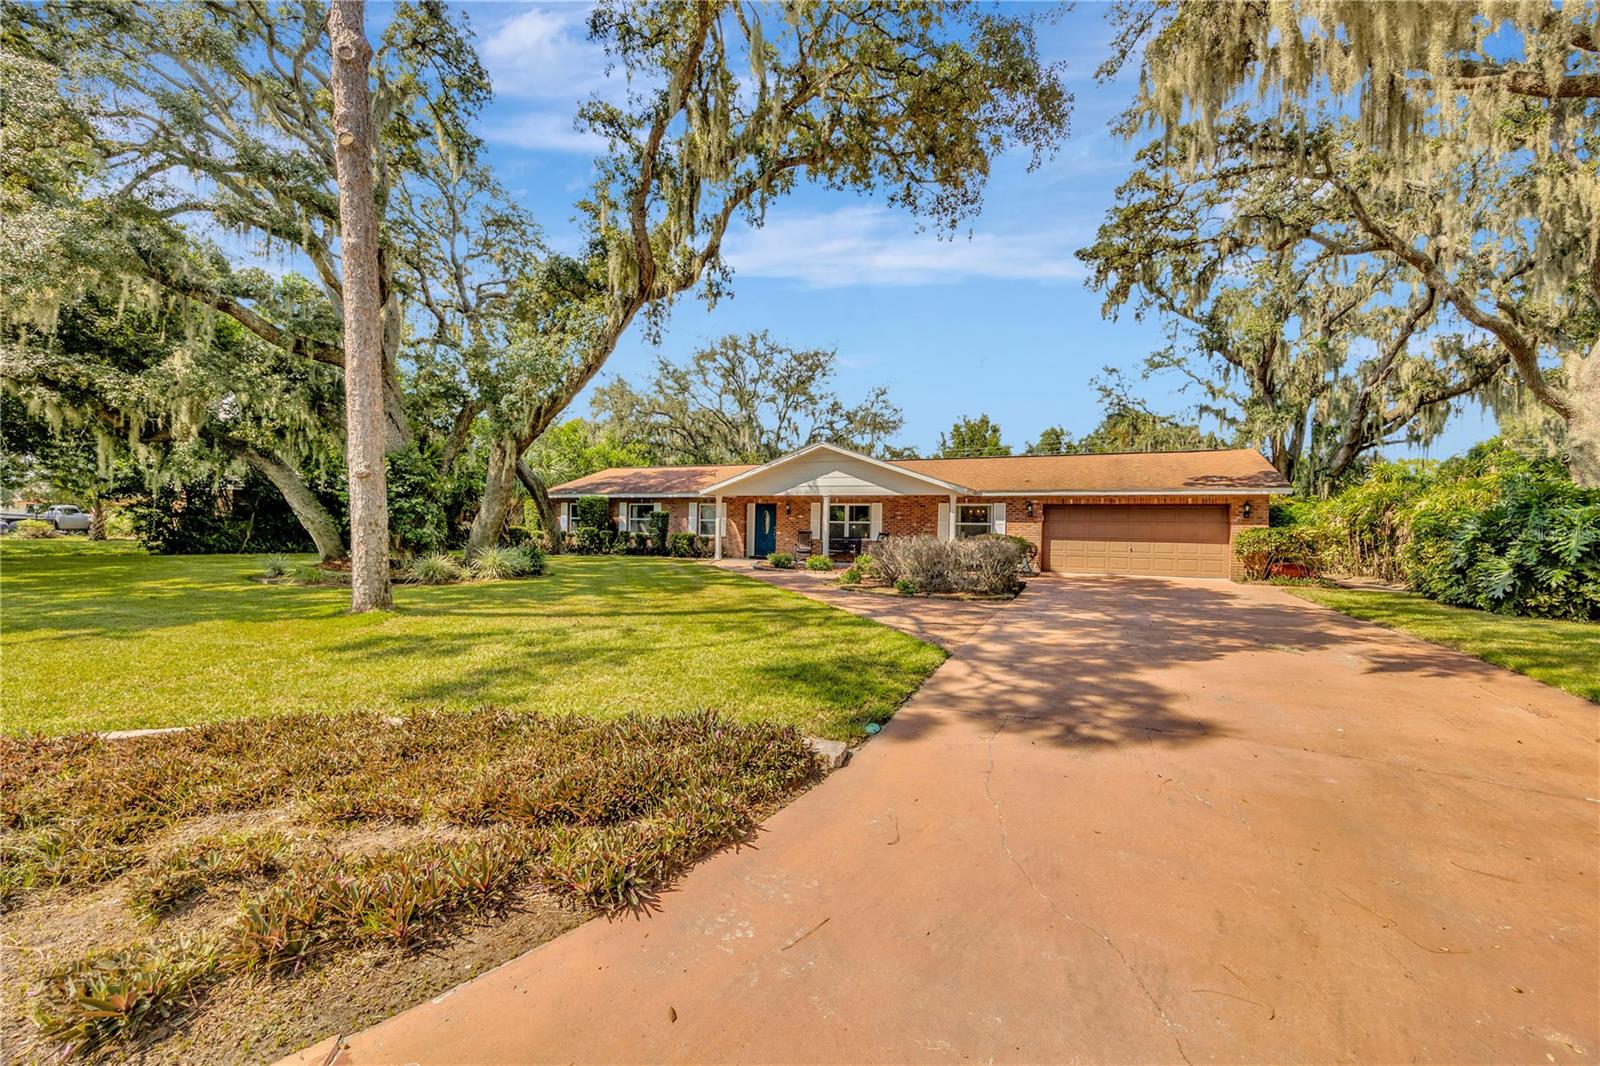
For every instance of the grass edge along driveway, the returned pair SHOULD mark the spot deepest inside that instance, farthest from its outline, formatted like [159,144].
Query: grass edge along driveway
[1560,653]
[101,637]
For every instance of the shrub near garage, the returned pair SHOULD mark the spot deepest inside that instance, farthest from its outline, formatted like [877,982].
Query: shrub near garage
[1266,551]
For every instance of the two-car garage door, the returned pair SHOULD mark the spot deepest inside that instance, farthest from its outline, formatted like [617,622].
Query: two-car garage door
[1164,540]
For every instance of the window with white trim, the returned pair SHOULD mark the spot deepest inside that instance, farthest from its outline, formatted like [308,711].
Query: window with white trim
[974,519]
[639,517]
[849,521]
[706,524]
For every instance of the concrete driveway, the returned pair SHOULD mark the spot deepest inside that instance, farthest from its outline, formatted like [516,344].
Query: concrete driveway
[1130,820]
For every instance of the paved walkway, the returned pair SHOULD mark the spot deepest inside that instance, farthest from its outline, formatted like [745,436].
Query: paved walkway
[1130,820]
[948,623]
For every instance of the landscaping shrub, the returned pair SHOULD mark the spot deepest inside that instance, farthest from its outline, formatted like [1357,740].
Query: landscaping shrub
[1365,528]
[1029,550]
[1493,529]
[780,561]
[435,569]
[985,565]
[111,994]
[202,517]
[1264,550]
[593,512]
[498,563]
[1532,549]
[924,562]
[659,522]
[819,562]
[688,546]
[906,587]
[276,565]
[590,540]
[34,529]
[851,576]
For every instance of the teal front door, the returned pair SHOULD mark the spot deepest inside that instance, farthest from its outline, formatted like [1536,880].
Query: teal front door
[765,540]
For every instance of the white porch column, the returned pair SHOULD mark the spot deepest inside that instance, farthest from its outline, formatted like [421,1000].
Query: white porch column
[952,530]
[721,513]
[825,512]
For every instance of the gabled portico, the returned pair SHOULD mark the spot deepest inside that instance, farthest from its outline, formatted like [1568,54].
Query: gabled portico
[827,491]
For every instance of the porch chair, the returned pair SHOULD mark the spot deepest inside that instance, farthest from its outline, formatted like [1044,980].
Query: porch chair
[802,545]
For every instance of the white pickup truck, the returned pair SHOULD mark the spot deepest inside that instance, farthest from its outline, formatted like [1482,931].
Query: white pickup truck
[64,516]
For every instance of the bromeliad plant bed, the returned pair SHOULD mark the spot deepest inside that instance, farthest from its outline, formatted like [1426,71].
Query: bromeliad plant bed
[241,889]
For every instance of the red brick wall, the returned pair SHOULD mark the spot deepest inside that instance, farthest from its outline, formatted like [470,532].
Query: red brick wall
[905,516]
[677,510]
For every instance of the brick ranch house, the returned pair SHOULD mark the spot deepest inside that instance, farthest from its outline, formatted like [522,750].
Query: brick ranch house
[1158,513]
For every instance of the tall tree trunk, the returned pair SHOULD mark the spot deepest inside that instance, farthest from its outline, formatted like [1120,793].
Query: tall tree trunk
[1583,417]
[97,520]
[367,423]
[499,490]
[314,518]
[541,500]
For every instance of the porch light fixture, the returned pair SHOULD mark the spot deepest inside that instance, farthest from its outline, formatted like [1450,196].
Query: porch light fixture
[1245,511]
[1030,508]
[788,508]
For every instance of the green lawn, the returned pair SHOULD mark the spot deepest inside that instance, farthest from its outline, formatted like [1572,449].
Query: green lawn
[1563,654]
[101,636]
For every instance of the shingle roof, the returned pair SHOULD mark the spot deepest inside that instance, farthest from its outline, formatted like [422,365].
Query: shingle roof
[1234,468]
[647,480]
[1198,471]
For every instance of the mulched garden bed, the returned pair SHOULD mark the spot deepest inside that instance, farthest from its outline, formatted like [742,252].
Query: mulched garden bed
[239,890]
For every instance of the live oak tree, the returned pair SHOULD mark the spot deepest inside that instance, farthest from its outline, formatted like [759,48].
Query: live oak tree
[745,399]
[95,350]
[1474,134]
[731,106]
[168,402]
[1301,340]
[218,114]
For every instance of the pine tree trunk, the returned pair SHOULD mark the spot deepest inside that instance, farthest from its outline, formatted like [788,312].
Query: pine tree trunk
[366,423]
[314,518]
[499,489]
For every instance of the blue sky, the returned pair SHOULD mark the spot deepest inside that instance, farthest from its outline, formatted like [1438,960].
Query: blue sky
[996,320]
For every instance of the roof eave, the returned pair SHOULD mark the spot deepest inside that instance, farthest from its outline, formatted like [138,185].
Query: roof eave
[1252,490]
[721,486]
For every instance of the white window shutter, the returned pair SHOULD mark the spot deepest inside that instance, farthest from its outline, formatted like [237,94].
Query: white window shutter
[750,530]
[944,521]
[816,522]
[997,517]
[563,516]
[875,513]
[694,517]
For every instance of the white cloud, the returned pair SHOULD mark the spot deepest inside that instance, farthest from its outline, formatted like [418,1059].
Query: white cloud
[547,131]
[875,246]
[545,53]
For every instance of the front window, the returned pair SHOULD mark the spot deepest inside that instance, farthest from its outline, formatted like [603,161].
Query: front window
[849,521]
[708,520]
[639,517]
[974,520]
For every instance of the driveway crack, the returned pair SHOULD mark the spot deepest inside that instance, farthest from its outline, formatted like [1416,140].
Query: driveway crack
[1005,845]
